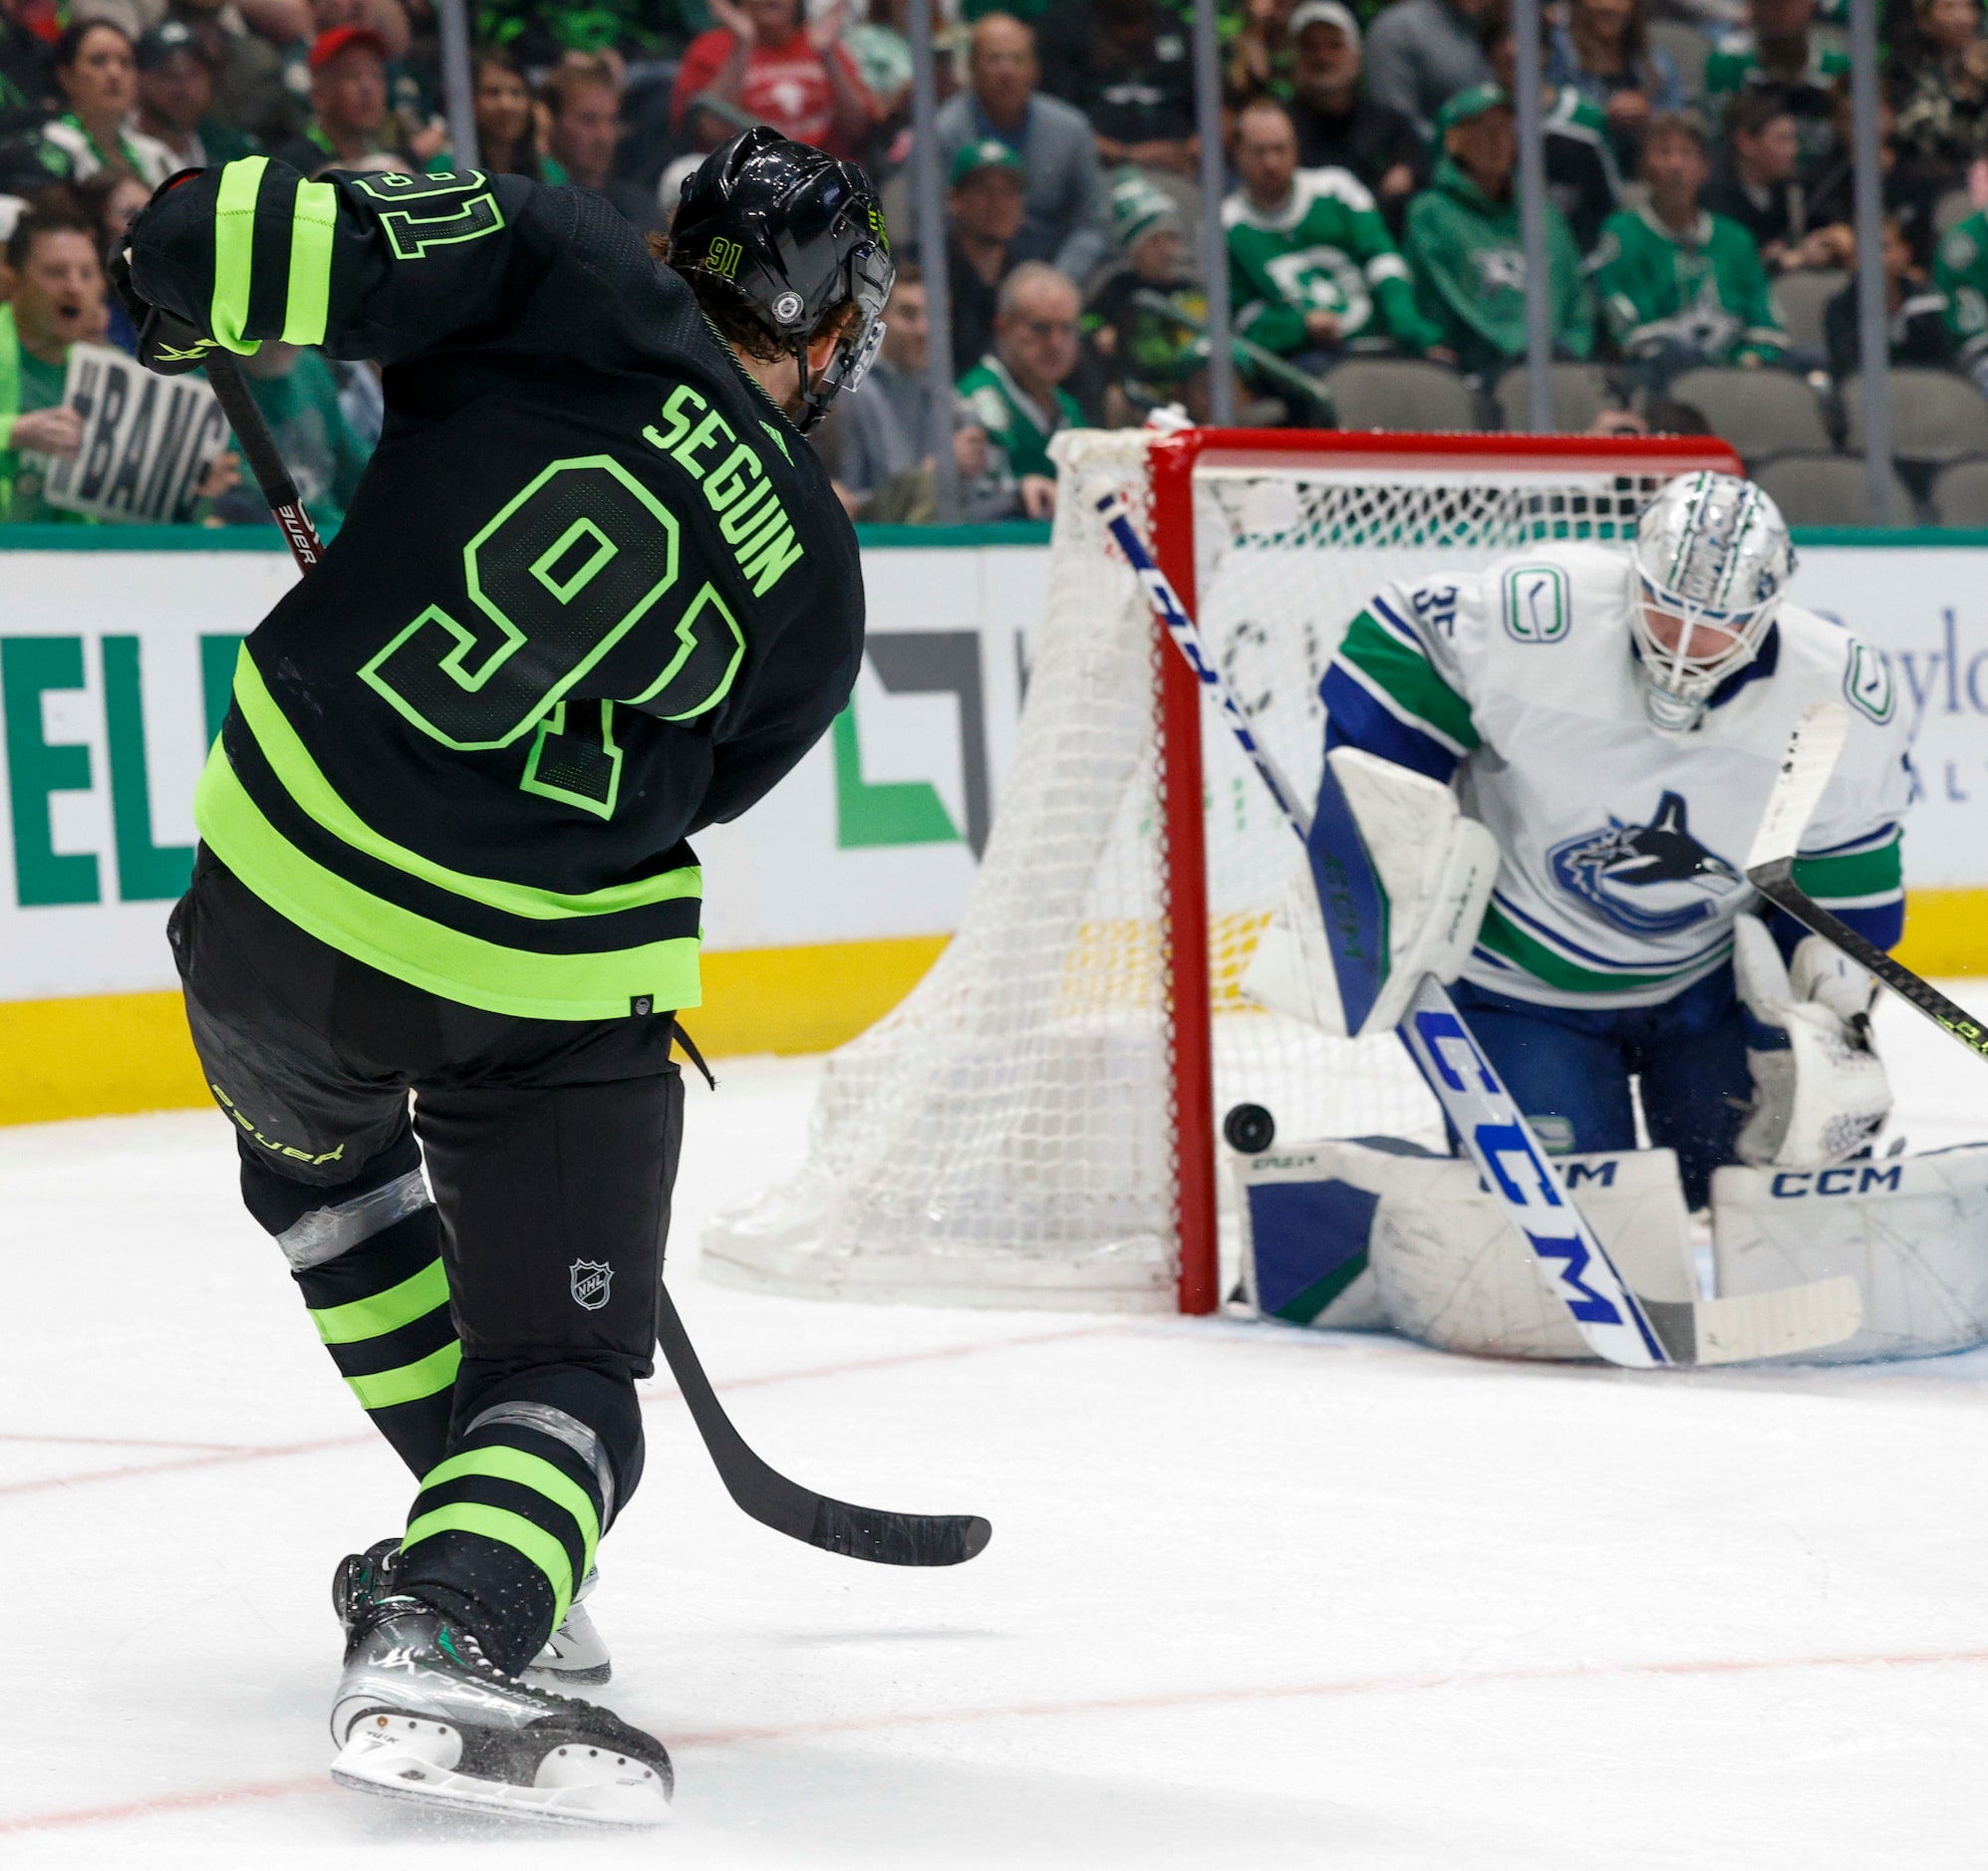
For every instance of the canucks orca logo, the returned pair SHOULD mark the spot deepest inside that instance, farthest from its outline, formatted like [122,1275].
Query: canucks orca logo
[1651,880]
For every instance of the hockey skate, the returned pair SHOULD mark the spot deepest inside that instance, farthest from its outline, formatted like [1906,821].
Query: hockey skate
[422,1715]
[573,1654]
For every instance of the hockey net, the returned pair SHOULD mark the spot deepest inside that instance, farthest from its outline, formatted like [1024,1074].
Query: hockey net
[1035,1125]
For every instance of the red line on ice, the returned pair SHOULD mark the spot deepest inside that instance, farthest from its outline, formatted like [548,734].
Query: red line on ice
[1345,1688]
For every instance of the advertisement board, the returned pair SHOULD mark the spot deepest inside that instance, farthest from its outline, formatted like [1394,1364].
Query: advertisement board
[114,669]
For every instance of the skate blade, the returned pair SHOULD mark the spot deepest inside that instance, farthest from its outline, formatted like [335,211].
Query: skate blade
[545,1676]
[399,1774]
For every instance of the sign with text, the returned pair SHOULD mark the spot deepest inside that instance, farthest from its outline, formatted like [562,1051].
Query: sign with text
[147,440]
[115,669]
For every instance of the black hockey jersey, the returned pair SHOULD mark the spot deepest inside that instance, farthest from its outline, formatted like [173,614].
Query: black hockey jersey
[594,591]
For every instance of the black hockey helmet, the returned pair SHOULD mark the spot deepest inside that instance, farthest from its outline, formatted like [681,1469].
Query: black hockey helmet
[791,233]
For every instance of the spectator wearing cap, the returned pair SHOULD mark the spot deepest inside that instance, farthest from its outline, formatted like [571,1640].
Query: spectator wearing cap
[56,301]
[1016,388]
[1313,270]
[97,72]
[1466,251]
[1063,211]
[1779,54]
[350,125]
[1421,53]
[1679,285]
[1582,180]
[1339,125]
[176,97]
[984,202]
[765,57]
[1148,319]
[1125,64]
[880,435]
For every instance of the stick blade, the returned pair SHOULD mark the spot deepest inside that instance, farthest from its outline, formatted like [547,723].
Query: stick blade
[898,1539]
[1780,1324]
[1813,747]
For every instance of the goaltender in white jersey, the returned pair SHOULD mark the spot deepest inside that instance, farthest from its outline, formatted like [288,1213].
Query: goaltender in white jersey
[1616,720]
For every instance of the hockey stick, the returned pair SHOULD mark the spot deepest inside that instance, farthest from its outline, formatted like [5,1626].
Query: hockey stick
[265,460]
[892,1539]
[1813,750]
[1616,1323]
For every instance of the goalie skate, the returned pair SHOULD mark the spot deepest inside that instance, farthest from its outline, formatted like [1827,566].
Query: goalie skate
[574,1653]
[422,1715]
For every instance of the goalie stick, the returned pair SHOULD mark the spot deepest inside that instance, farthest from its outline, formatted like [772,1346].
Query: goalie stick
[1813,746]
[1616,1323]
[873,1533]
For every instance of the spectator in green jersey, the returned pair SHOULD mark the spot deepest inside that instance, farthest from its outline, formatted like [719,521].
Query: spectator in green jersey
[1016,389]
[56,301]
[1313,270]
[1960,270]
[1464,250]
[1679,285]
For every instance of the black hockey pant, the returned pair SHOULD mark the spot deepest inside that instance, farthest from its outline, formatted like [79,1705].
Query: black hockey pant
[493,1333]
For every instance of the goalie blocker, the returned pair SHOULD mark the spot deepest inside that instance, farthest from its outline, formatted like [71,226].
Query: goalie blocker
[1404,878]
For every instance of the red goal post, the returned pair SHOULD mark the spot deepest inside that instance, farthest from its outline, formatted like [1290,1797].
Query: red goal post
[1173,464]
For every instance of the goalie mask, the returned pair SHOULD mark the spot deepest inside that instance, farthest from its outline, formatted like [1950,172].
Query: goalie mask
[791,233]
[1711,551]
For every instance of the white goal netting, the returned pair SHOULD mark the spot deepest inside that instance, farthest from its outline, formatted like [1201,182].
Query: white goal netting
[1007,1135]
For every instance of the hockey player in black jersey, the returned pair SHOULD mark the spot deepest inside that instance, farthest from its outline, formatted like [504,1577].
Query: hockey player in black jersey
[595,591]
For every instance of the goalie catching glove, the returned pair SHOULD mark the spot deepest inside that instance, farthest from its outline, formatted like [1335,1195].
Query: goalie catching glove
[1394,887]
[1821,1093]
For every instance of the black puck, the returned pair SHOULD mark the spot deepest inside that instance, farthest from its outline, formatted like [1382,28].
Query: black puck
[1249,1129]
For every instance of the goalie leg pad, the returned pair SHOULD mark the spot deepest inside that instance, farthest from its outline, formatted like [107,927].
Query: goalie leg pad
[1377,1231]
[1912,1232]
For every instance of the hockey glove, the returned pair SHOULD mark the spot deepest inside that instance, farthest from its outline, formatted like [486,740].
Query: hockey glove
[168,343]
[1821,1093]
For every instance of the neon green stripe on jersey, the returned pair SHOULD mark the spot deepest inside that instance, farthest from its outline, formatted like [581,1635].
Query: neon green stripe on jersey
[417,1296]
[1505,937]
[1876,873]
[409,1383]
[508,1529]
[427,954]
[1404,675]
[301,777]
[504,1464]
[313,223]
[234,252]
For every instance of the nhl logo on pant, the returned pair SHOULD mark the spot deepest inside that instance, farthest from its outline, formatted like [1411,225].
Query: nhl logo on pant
[590,1283]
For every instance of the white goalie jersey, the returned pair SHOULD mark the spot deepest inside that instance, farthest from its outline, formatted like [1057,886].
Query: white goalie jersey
[1621,877]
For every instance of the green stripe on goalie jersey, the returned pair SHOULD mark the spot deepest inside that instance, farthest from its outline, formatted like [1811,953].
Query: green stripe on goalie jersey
[1404,675]
[1505,939]
[1857,876]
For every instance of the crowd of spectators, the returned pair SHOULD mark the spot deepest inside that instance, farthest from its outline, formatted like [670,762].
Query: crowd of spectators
[1697,162]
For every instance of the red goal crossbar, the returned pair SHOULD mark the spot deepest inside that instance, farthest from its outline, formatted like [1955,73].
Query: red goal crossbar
[1172,463]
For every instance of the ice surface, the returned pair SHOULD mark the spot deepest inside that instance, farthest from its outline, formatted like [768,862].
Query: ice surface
[1256,1597]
